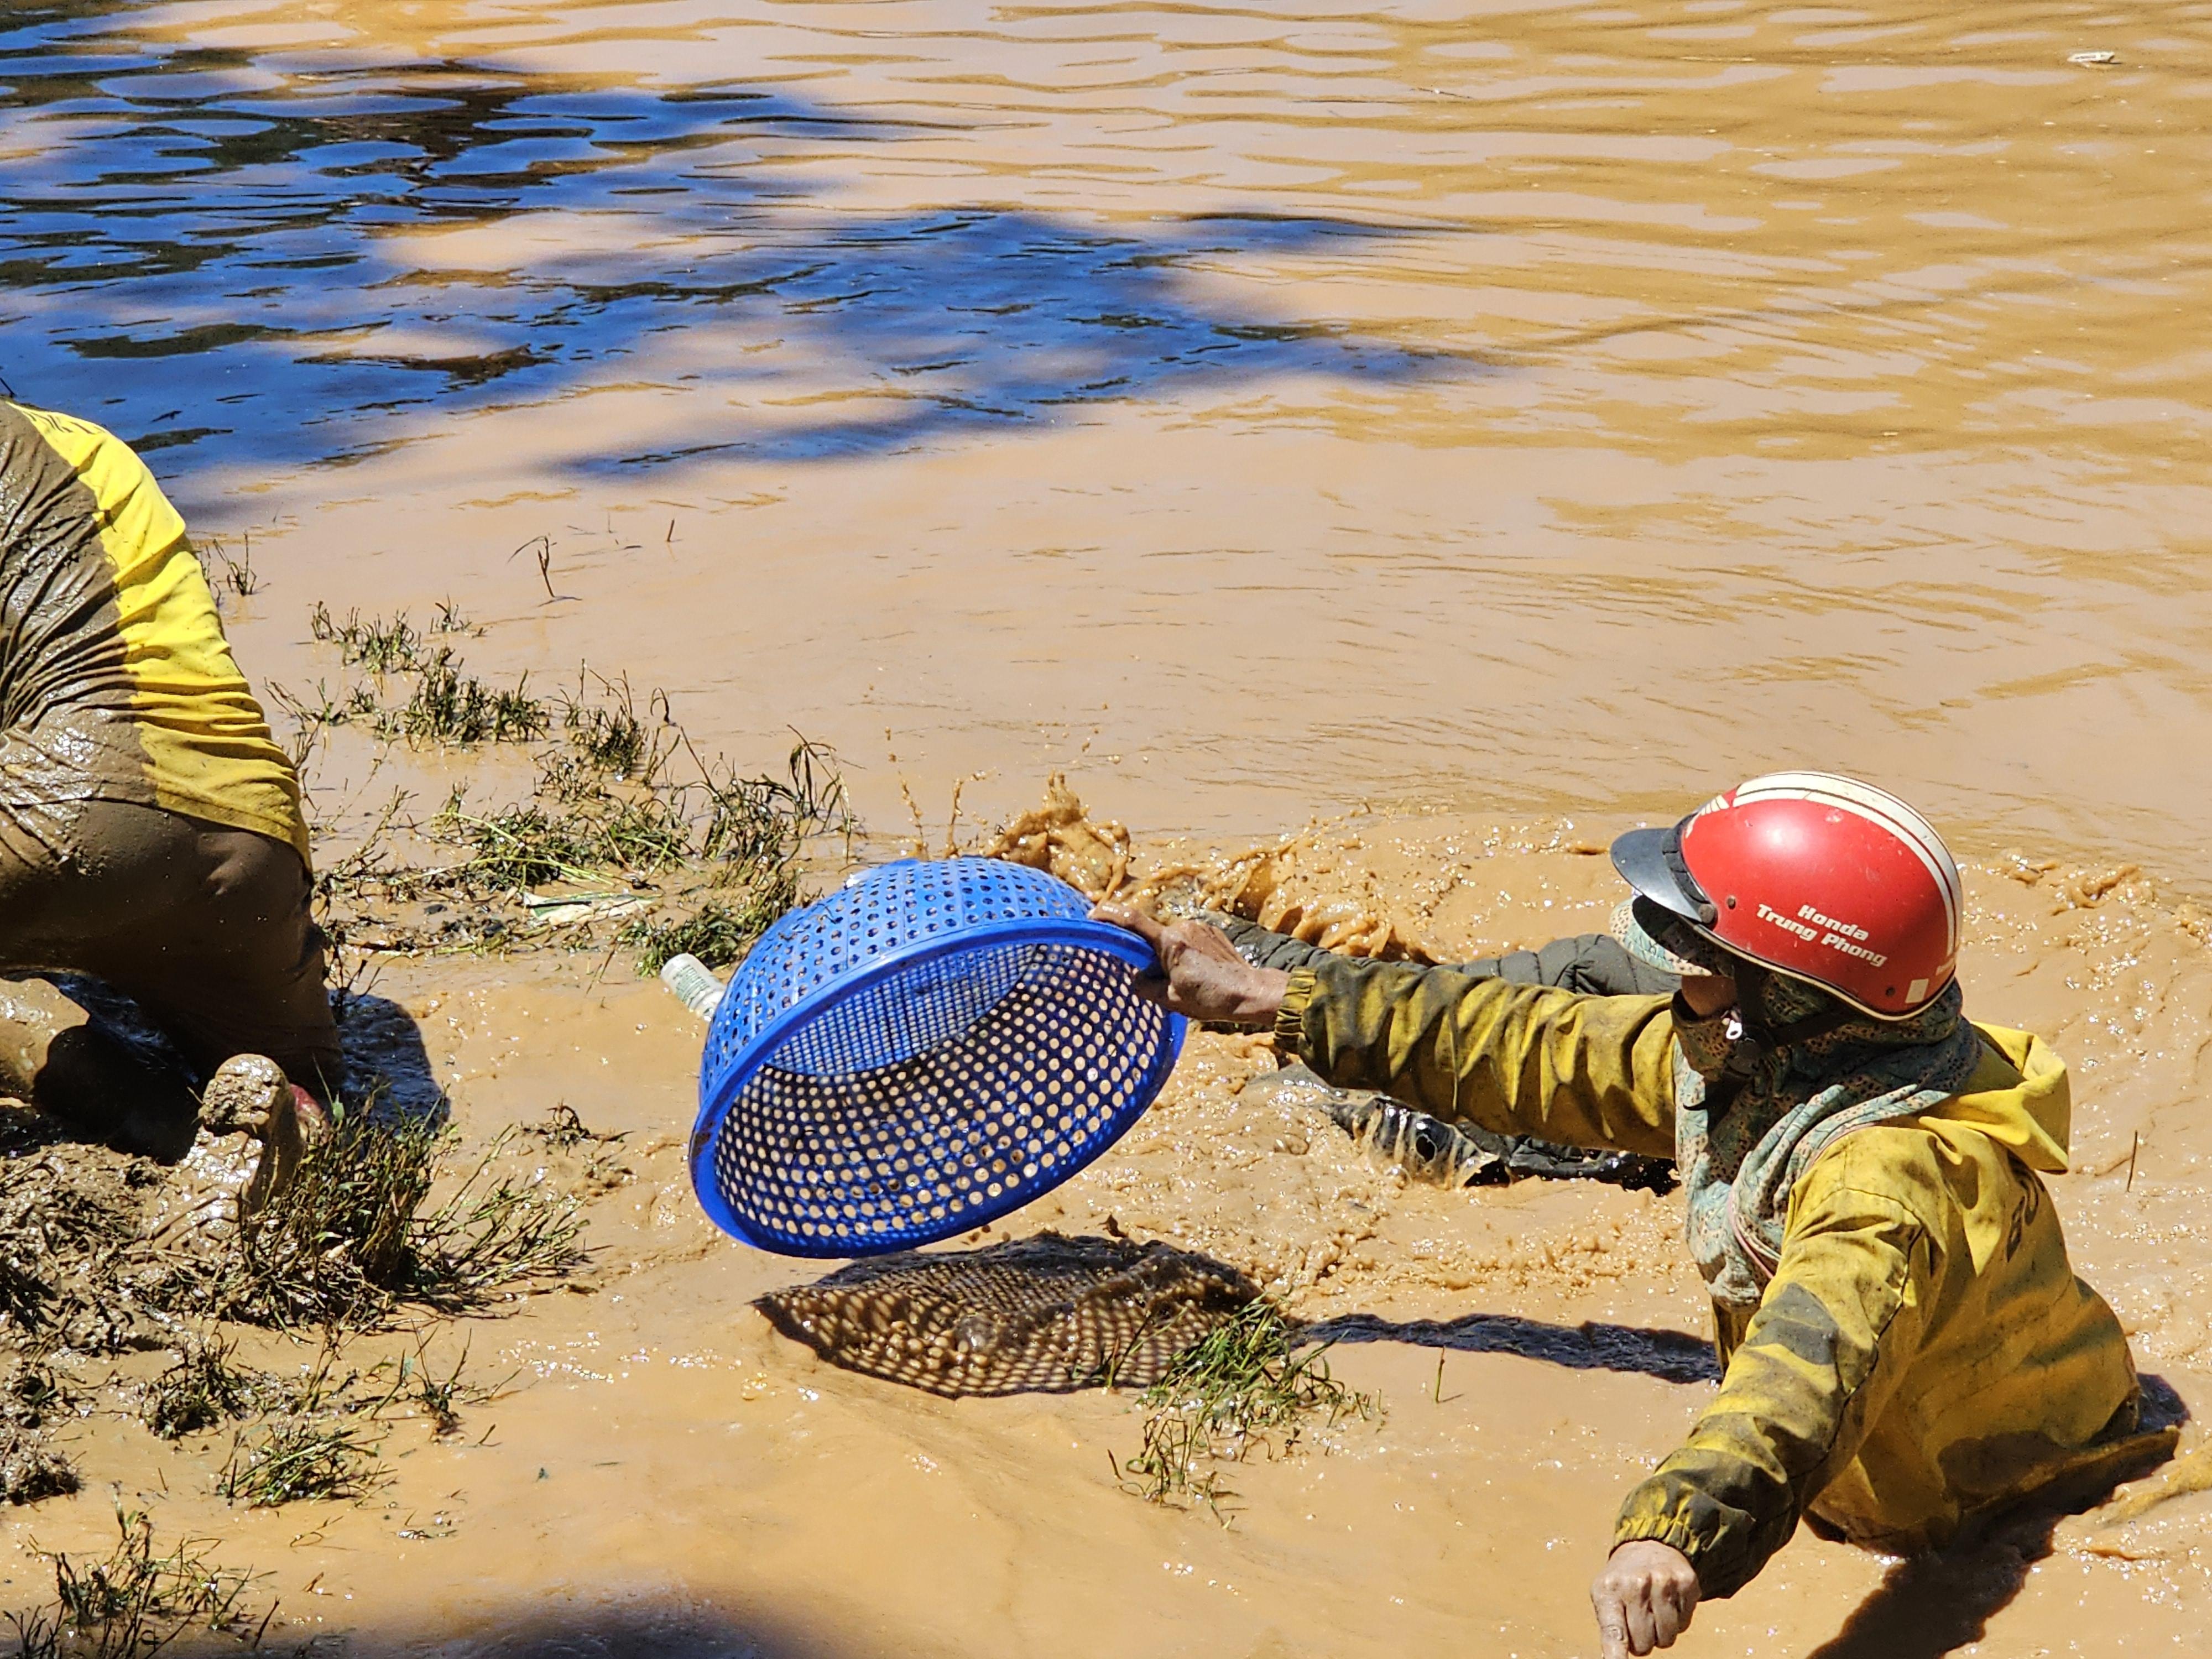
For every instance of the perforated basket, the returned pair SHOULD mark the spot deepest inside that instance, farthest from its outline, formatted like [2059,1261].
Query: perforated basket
[931,1047]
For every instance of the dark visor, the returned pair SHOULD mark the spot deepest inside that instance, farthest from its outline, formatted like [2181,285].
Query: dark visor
[1650,861]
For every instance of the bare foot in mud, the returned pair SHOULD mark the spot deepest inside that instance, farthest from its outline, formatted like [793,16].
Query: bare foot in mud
[250,1093]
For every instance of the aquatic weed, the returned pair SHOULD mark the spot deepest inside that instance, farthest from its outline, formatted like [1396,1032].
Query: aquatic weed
[521,846]
[304,1449]
[440,1397]
[296,1458]
[135,1602]
[1248,1381]
[564,1130]
[237,575]
[203,1388]
[310,720]
[380,646]
[717,934]
[36,1391]
[31,1468]
[604,802]
[757,822]
[492,1234]
[348,1238]
[451,706]
[609,736]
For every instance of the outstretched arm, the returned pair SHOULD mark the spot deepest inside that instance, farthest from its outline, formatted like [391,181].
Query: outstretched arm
[1518,1060]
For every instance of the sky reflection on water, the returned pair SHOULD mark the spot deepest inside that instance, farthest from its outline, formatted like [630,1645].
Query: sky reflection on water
[245,265]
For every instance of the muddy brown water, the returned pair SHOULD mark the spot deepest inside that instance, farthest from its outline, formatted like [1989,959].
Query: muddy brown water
[1492,415]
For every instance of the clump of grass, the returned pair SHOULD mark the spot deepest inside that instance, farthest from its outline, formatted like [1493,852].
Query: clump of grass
[620,792]
[31,1468]
[751,825]
[36,1392]
[520,846]
[717,934]
[579,827]
[237,575]
[1247,1382]
[380,646]
[23,1293]
[349,1238]
[578,840]
[451,706]
[332,1247]
[608,735]
[203,1388]
[300,1457]
[134,1603]
[440,1397]
[563,1128]
[492,1234]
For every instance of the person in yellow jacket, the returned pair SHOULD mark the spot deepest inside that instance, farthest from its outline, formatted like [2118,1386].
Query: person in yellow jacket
[151,833]
[1906,1350]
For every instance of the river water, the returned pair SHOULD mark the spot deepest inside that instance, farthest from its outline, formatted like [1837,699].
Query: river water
[1511,409]
[1535,408]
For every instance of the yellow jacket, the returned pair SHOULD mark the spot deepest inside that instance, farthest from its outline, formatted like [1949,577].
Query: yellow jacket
[115,682]
[1923,1354]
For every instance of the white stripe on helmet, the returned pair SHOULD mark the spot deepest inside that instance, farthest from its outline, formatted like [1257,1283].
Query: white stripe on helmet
[1878,807]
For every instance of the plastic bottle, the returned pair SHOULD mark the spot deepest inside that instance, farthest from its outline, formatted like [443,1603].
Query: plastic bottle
[693,983]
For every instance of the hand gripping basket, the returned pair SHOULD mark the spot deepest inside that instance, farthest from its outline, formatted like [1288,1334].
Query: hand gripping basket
[930,1048]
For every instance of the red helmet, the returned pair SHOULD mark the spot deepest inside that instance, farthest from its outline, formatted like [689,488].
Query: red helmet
[1826,880]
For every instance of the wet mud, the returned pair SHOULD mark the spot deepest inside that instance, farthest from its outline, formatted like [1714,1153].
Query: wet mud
[1375,458]
[652,1452]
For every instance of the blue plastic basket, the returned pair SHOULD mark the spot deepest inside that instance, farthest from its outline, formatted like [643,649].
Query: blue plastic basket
[930,1048]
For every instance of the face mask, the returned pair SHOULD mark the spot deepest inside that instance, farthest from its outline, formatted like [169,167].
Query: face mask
[1707,1043]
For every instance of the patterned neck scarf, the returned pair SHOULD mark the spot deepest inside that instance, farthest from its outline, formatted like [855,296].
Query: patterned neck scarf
[1740,1159]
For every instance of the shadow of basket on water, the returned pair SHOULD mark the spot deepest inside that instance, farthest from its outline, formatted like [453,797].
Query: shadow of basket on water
[1044,1315]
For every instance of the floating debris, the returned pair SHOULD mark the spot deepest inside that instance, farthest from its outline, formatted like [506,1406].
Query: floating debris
[1258,1379]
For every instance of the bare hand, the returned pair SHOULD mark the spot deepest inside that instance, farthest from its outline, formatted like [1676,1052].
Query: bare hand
[1199,973]
[1644,1598]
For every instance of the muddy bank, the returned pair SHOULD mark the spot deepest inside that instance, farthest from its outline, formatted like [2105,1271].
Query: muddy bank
[663,1470]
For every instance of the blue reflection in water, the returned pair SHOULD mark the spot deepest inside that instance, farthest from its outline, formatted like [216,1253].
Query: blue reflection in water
[199,251]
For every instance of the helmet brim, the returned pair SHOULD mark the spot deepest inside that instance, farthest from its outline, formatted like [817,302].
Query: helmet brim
[1650,861]
[1669,924]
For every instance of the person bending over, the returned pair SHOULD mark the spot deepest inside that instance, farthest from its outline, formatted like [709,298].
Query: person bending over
[151,833]
[1906,1352]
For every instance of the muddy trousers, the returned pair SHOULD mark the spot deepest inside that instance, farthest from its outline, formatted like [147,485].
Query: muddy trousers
[206,928]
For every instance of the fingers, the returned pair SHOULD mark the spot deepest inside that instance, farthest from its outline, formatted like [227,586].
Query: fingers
[1153,986]
[1673,1599]
[1146,927]
[1636,1603]
[1612,1620]
[1644,1598]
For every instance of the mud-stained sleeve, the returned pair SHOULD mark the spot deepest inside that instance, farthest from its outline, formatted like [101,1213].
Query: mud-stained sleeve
[1837,1327]
[1514,1059]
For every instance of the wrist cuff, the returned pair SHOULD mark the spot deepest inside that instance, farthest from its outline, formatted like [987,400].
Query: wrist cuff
[1291,1018]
